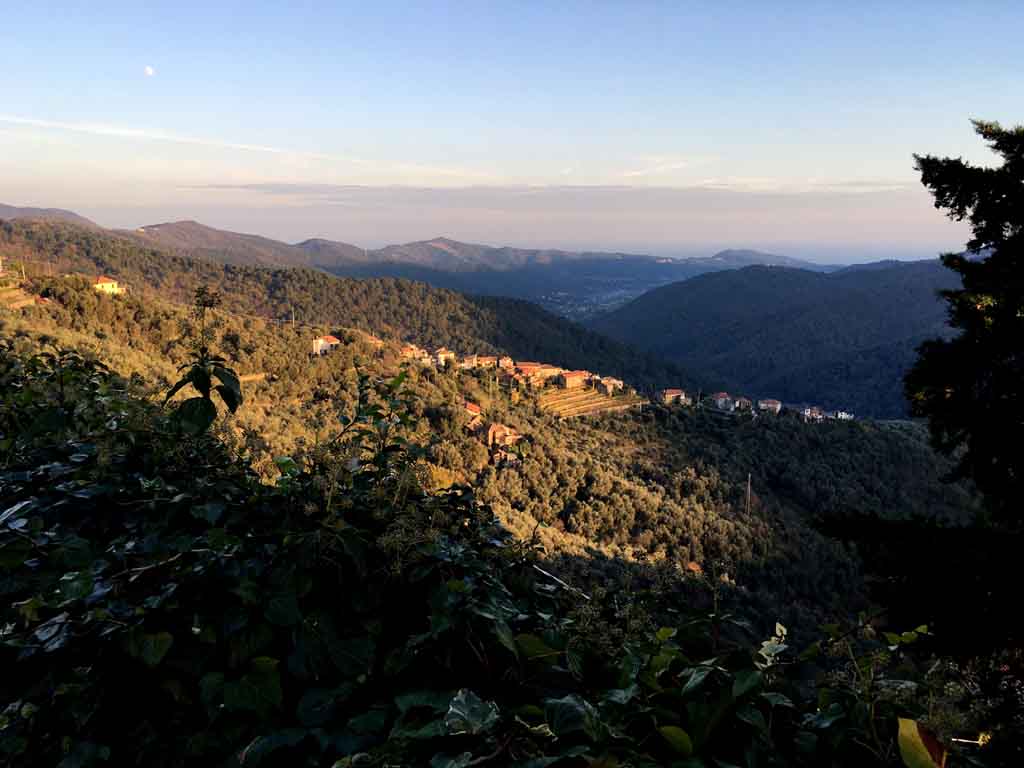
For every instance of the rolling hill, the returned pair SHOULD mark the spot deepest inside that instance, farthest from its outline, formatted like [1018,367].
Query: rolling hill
[400,309]
[12,212]
[574,284]
[194,239]
[842,340]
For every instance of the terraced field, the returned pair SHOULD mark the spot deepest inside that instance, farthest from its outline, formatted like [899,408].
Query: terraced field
[12,297]
[569,403]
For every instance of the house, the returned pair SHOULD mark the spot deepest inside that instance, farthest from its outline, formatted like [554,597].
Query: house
[514,380]
[413,352]
[842,416]
[374,341]
[324,344]
[475,414]
[608,385]
[506,363]
[769,405]
[723,401]
[104,284]
[528,368]
[812,413]
[670,396]
[486,361]
[743,404]
[469,361]
[573,379]
[443,356]
[546,372]
[502,436]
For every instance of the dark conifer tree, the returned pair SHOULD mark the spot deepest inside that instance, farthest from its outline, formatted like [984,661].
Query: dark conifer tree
[971,387]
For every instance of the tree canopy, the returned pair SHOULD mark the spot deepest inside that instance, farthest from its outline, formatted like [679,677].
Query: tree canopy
[971,386]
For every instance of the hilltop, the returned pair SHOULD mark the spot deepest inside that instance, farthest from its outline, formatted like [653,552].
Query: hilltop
[842,339]
[12,212]
[194,239]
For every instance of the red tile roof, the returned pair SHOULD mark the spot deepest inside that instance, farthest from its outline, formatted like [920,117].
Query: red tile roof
[102,279]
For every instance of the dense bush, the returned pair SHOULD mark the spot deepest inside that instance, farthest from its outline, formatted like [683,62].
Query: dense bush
[159,606]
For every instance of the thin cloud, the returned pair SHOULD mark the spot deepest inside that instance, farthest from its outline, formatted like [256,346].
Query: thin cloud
[658,165]
[780,185]
[121,132]
[145,134]
[148,71]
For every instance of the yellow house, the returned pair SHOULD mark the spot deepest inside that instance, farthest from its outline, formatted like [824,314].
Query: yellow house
[105,284]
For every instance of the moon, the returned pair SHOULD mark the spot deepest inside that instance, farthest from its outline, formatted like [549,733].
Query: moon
[149,71]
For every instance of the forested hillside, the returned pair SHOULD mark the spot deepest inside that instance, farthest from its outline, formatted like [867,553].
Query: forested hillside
[390,307]
[841,340]
[667,484]
[287,634]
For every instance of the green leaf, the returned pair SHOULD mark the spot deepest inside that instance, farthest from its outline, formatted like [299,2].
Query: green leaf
[231,398]
[150,649]
[678,739]
[196,414]
[622,695]
[776,699]
[745,681]
[918,748]
[436,701]
[211,511]
[262,746]
[697,678]
[752,716]
[259,691]
[568,714]
[532,647]
[228,379]
[183,382]
[76,585]
[318,706]
[505,637]
[665,633]
[468,713]
[441,760]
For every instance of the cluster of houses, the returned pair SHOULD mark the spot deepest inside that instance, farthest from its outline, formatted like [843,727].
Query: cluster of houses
[531,375]
[726,403]
[522,374]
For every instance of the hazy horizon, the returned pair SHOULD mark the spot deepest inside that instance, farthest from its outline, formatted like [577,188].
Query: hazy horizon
[646,128]
[693,223]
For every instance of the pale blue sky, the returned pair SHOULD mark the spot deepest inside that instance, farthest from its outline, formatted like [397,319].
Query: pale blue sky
[764,124]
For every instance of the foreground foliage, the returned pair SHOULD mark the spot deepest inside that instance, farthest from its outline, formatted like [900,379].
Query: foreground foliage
[161,607]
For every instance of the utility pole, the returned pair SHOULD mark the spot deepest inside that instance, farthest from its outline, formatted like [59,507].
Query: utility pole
[748,494]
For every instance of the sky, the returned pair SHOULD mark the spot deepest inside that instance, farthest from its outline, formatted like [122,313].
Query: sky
[672,128]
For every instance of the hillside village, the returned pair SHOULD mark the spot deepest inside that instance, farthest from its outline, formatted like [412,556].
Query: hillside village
[559,391]
[573,393]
